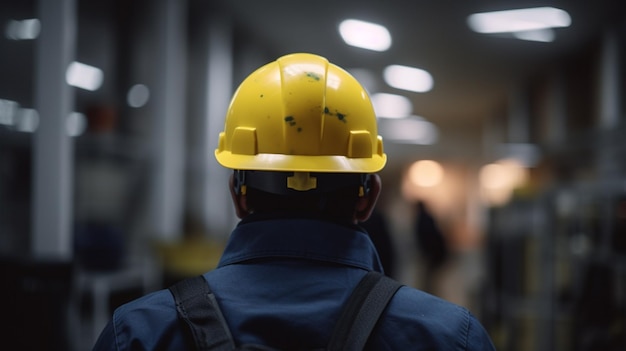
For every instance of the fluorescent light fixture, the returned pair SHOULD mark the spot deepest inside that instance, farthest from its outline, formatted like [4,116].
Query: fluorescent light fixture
[519,20]
[365,35]
[411,130]
[84,76]
[408,78]
[543,35]
[391,105]
[27,29]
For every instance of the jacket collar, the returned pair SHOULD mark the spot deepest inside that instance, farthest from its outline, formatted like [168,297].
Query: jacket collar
[300,238]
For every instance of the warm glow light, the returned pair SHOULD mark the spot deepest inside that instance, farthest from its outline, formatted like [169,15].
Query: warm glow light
[519,20]
[365,35]
[426,173]
[84,76]
[499,179]
[408,78]
[391,105]
[412,130]
[494,176]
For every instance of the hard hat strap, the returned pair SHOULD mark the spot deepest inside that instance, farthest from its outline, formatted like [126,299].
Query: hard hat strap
[289,183]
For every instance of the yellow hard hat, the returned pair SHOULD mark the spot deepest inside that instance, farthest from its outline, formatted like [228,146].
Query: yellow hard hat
[301,113]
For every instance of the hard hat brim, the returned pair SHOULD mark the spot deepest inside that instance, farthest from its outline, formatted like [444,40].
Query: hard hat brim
[301,163]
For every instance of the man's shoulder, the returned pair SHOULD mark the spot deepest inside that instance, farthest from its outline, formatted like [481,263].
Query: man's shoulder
[416,317]
[148,321]
[416,303]
[156,302]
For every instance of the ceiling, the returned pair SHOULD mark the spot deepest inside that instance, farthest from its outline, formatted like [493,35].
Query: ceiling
[473,73]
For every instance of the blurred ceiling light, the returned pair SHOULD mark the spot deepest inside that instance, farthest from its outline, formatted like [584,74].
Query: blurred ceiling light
[27,29]
[503,174]
[391,105]
[84,76]
[425,173]
[543,35]
[408,78]
[493,176]
[76,124]
[365,35]
[498,180]
[27,120]
[412,130]
[519,20]
[138,95]
[8,112]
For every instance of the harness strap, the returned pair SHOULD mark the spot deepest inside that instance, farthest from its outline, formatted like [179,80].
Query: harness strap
[363,309]
[197,306]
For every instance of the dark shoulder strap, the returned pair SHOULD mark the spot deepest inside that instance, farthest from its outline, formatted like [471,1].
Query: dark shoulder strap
[363,309]
[197,306]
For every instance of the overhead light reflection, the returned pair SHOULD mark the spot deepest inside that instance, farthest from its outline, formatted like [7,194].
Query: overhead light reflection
[84,76]
[542,35]
[391,105]
[519,20]
[8,112]
[27,120]
[138,95]
[365,35]
[411,130]
[27,29]
[408,78]
[76,124]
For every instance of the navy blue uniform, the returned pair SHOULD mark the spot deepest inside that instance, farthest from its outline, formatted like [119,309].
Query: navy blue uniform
[282,282]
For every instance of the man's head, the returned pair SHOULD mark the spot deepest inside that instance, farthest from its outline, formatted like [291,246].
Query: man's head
[301,134]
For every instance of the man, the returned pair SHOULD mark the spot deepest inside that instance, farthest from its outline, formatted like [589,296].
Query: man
[301,137]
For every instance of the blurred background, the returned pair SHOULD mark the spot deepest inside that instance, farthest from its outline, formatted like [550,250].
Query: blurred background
[505,190]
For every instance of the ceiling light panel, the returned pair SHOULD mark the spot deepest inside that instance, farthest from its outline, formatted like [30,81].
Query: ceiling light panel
[411,130]
[391,105]
[366,35]
[84,76]
[408,78]
[519,20]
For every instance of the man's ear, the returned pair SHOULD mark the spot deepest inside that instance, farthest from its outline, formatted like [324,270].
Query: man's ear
[239,200]
[365,205]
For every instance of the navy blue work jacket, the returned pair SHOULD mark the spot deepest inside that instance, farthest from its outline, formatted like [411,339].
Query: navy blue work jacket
[282,282]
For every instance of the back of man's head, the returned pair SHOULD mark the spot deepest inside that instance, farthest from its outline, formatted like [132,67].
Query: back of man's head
[301,135]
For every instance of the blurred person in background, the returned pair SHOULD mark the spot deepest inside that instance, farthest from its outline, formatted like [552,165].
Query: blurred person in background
[431,245]
[301,138]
